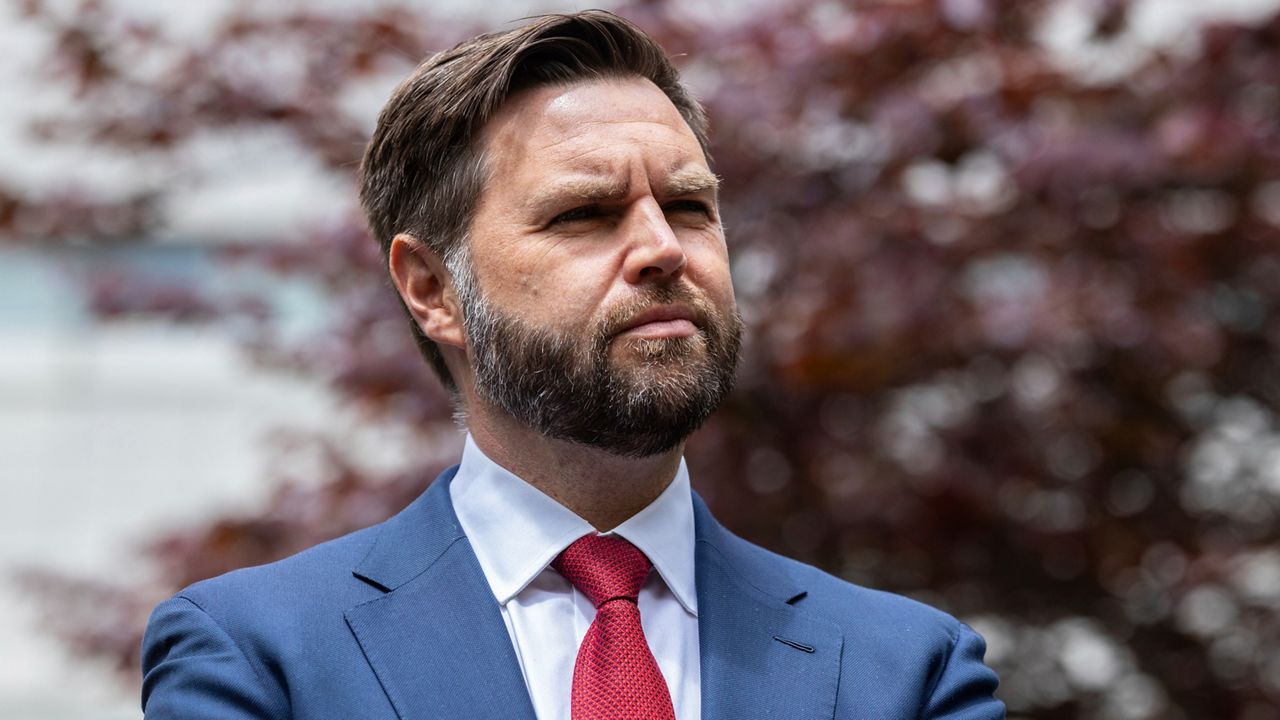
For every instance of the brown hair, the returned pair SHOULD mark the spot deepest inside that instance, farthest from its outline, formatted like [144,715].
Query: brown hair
[424,169]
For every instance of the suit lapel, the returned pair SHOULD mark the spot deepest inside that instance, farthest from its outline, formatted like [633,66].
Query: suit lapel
[761,657]
[438,644]
[436,638]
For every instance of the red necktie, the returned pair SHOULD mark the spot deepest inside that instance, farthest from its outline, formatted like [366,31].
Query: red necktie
[615,676]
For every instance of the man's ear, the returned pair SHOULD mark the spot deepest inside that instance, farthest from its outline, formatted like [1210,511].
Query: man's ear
[426,288]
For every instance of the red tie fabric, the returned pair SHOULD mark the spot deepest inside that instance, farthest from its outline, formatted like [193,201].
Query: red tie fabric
[615,676]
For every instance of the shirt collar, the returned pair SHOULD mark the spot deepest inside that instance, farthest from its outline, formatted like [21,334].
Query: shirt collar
[516,530]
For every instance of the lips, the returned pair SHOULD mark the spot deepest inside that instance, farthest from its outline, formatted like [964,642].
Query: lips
[662,321]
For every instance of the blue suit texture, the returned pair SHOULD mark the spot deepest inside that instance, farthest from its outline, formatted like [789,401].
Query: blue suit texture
[397,621]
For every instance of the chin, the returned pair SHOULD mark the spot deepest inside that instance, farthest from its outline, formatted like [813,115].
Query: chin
[663,351]
[652,431]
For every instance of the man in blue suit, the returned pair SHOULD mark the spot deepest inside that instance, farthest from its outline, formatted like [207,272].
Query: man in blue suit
[550,220]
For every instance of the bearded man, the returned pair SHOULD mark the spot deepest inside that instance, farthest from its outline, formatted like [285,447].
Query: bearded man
[545,201]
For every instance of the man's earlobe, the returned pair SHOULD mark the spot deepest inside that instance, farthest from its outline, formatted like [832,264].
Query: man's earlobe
[426,288]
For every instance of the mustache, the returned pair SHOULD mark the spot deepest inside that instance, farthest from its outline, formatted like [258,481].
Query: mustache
[619,317]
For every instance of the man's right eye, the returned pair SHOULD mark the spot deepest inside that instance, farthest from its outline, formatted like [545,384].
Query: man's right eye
[586,212]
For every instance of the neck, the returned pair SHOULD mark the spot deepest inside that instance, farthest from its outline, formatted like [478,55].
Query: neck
[602,488]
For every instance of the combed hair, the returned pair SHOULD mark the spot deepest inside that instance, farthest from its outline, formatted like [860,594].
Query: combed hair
[424,169]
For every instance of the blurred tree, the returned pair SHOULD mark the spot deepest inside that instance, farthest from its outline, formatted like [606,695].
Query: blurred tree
[1012,307]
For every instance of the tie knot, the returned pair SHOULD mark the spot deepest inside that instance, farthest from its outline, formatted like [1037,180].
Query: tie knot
[603,567]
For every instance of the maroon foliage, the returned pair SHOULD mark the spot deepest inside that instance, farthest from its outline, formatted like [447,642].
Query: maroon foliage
[1014,339]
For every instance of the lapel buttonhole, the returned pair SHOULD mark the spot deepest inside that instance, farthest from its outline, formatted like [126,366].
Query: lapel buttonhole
[792,643]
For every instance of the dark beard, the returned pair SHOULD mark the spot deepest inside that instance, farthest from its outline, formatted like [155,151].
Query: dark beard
[569,389]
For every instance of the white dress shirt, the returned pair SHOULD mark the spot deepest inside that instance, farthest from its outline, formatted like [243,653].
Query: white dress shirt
[517,531]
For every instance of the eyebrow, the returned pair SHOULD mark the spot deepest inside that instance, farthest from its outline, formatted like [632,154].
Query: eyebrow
[690,180]
[600,189]
[580,189]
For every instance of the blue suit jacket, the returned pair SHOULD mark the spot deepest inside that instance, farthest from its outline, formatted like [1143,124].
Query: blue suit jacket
[397,621]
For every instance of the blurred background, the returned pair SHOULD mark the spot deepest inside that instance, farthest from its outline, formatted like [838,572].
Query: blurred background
[1011,270]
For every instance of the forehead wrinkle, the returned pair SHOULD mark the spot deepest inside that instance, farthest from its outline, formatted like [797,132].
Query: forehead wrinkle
[665,125]
[568,131]
[555,140]
[605,167]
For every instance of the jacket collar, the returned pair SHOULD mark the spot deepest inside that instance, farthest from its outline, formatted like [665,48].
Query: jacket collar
[439,646]
[414,539]
[761,656]
[436,638]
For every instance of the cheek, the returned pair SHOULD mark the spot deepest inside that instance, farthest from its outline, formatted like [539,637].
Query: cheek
[528,284]
[577,304]
[712,272]
[581,282]
[559,296]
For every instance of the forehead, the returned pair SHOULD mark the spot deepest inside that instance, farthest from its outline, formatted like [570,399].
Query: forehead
[589,125]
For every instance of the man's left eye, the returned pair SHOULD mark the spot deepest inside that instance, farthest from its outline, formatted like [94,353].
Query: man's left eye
[694,206]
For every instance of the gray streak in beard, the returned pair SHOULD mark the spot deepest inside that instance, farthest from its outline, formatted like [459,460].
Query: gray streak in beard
[573,391]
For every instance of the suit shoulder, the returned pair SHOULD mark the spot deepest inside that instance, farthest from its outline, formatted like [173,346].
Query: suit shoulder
[317,574]
[869,612]
[898,654]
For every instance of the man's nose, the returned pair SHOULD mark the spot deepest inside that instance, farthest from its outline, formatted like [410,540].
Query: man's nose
[654,252]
